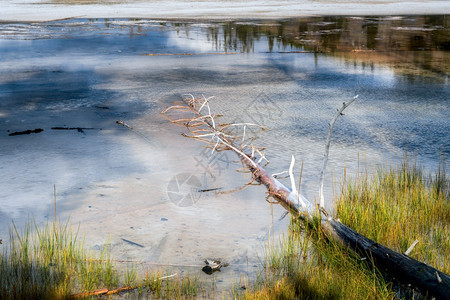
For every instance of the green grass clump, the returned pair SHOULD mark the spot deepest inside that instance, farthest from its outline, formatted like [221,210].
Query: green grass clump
[173,288]
[51,263]
[395,207]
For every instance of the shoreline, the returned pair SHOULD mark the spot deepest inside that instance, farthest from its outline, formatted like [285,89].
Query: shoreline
[40,11]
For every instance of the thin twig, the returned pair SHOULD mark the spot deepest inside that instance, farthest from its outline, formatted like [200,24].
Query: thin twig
[276,175]
[300,182]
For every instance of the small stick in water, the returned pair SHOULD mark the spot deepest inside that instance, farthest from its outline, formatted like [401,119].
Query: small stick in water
[209,190]
[124,124]
[132,243]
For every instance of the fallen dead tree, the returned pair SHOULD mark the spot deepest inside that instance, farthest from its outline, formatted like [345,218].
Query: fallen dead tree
[202,125]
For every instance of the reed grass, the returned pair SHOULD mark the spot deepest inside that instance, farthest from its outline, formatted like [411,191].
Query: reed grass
[51,263]
[394,207]
[179,287]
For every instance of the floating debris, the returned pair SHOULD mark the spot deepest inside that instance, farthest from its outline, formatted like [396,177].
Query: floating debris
[212,266]
[79,129]
[37,130]
[209,190]
[124,124]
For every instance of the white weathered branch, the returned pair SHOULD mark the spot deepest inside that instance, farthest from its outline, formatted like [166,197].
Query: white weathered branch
[407,252]
[291,175]
[275,175]
[244,124]
[327,149]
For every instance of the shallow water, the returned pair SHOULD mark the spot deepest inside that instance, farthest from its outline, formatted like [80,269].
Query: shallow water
[289,75]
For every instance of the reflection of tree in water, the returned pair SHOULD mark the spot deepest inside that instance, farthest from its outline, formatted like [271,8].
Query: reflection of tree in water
[410,45]
[233,36]
[332,34]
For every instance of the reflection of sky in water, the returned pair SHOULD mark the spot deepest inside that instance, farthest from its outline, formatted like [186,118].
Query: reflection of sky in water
[194,42]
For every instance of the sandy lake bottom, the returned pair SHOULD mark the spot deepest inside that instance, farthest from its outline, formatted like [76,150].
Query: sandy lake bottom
[138,190]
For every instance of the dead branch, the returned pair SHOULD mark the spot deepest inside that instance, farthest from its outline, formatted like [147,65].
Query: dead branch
[92,293]
[105,291]
[327,148]
[37,130]
[407,252]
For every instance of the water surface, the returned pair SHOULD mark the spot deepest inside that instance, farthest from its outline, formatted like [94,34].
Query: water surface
[289,75]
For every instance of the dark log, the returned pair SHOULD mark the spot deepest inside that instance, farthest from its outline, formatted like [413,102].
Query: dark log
[402,268]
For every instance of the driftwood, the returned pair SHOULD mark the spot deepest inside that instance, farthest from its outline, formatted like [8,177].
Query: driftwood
[79,129]
[209,190]
[132,243]
[399,267]
[29,131]
[212,265]
[73,128]
[107,292]
[104,291]
[92,293]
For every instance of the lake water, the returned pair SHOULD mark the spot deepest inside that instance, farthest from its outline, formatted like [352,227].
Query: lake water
[142,185]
